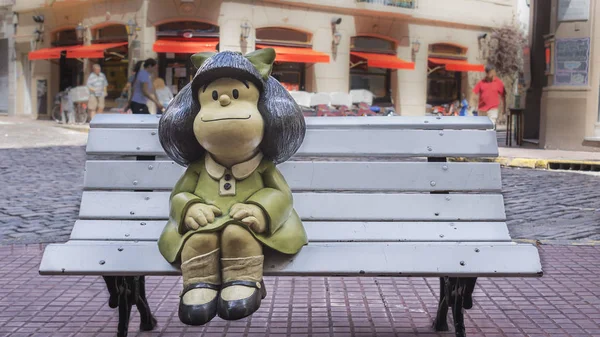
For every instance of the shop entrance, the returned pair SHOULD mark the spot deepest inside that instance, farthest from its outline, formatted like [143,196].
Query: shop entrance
[372,60]
[115,63]
[446,74]
[175,44]
[71,70]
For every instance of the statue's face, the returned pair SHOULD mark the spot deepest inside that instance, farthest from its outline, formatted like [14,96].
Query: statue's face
[229,123]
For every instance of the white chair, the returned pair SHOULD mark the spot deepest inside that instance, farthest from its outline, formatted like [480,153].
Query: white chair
[320,98]
[362,96]
[302,98]
[341,98]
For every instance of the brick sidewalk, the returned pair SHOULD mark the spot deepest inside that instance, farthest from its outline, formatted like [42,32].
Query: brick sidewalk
[565,302]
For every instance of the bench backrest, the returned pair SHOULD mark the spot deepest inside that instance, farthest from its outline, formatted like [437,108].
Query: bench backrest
[341,158]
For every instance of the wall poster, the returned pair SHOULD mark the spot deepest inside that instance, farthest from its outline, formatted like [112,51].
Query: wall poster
[573,10]
[572,62]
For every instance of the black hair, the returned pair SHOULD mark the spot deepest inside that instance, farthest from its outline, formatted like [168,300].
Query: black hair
[284,122]
[137,66]
[489,68]
[149,63]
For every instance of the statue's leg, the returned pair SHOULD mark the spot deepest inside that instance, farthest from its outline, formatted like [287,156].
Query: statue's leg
[201,279]
[242,270]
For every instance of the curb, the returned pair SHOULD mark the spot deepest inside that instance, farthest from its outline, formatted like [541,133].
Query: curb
[79,128]
[544,164]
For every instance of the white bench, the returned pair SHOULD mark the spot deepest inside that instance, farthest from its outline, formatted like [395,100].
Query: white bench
[368,209]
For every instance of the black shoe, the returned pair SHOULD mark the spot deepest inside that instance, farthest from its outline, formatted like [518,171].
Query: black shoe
[232,310]
[198,314]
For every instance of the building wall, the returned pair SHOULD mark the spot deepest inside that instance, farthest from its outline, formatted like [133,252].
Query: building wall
[569,115]
[433,21]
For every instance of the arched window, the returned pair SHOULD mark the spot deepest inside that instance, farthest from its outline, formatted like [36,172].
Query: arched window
[372,44]
[289,70]
[282,36]
[65,37]
[446,78]
[187,29]
[110,33]
[375,79]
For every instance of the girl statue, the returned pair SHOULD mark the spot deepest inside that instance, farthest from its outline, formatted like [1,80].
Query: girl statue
[230,126]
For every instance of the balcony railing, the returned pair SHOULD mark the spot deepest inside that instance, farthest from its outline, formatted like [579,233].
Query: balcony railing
[394,3]
[6,3]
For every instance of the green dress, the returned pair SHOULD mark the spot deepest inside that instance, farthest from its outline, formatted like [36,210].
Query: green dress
[256,182]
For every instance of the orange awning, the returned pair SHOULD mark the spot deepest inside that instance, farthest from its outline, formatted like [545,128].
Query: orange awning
[184,47]
[457,65]
[295,54]
[93,51]
[384,61]
[49,53]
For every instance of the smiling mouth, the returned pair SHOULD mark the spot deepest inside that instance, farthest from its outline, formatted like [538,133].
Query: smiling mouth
[224,119]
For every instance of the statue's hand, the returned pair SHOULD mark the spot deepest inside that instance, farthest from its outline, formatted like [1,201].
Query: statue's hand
[251,215]
[200,215]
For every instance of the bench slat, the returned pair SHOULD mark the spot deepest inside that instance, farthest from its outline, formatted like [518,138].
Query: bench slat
[404,122]
[317,206]
[318,259]
[327,143]
[119,230]
[314,176]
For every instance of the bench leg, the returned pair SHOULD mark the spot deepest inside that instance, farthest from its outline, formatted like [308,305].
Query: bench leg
[455,293]
[461,298]
[441,318]
[125,291]
[147,321]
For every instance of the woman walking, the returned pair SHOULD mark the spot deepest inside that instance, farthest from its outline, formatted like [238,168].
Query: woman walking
[143,89]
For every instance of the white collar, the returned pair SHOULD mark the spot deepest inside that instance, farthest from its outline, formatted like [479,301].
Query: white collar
[240,171]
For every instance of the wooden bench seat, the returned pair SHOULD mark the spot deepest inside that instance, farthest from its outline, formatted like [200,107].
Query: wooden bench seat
[369,205]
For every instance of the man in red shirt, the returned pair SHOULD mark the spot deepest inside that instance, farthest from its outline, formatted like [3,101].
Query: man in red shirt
[489,91]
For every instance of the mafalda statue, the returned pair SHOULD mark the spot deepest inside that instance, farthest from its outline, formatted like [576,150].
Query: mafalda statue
[230,127]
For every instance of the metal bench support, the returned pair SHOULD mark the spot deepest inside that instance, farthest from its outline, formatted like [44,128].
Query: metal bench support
[454,292]
[125,291]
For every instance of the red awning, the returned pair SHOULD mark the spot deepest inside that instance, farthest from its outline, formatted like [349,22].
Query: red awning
[457,65]
[296,54]
[93,51]
[384,61]
[184,47]
[49,53]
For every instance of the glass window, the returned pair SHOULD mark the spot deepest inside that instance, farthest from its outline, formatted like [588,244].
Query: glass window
[372,44]
[290,75]
[285,35]
[112,33]
[376,80]
[443,86]
[66,38]
[188,25]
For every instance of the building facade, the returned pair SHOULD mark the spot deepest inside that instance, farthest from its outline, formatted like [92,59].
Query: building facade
[408,53]
[562,109]
[6,55]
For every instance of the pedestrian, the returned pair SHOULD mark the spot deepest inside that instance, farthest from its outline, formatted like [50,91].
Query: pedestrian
[488,91]
[143,90]
[464,104]
[163,93]
[97,84]
[136,68]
